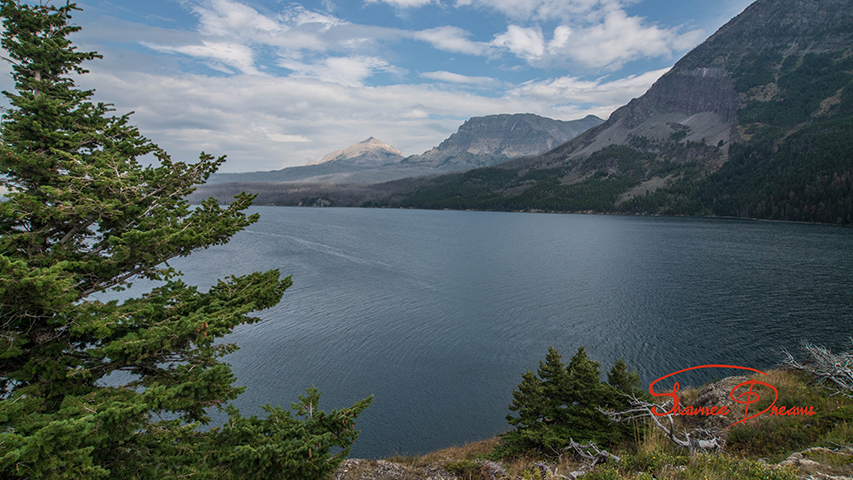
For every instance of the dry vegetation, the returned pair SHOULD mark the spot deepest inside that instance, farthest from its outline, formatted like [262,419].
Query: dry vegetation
[766,447]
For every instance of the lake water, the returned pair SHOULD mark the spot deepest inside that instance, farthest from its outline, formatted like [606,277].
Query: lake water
[438,313]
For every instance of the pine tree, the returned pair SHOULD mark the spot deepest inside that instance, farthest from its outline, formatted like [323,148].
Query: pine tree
[625,381]
[561,402]
[585,393]
[84,216]
[529,401]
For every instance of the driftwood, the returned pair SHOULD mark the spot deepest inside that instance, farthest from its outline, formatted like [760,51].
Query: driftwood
[588,453]
[829,369]
[545,472]
[695,440]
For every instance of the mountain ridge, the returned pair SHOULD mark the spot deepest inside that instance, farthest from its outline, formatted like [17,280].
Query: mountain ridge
[757,122]
[375,161]
[522,134]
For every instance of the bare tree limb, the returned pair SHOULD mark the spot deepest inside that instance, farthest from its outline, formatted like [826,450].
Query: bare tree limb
[588,453]
[696,440]
[828,369]
[545,472]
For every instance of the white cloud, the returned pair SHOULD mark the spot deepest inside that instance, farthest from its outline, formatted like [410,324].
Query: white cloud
[228,18]
[297,16]
[343,70]
[561,37]
[450,77]
[619,39]
[219,67]
[526,43]
[414,113]
[451,39]
[231,54]
[543,10]
[248,118]
[402,3]
[275,136]
[230,37]
[295,27]
[594,33]
[608,44]
[325,103]
[569,89]
[264,123]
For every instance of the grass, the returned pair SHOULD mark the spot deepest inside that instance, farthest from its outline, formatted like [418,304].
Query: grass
[832,463]
[462,460]
[666,466]
[468,452]
[776,437]
[751,452]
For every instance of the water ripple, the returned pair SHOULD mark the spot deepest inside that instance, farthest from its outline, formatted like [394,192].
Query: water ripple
[439,313]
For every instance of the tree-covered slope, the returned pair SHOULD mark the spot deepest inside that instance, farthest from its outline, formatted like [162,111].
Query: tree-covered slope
[795,158]
[755,122]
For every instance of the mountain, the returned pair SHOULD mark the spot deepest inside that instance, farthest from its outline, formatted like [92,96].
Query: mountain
[480,141]
[756,122]
[364,162]
[483,141]
[328,172]
[370,152]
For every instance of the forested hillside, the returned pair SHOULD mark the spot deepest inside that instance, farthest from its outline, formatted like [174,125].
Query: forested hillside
[756,122]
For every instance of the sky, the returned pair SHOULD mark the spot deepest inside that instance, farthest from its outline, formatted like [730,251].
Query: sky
[273,83]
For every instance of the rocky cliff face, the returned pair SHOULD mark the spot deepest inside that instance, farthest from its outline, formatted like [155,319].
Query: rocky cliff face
[687,92]
[700,101]
[483,141]
[705,93]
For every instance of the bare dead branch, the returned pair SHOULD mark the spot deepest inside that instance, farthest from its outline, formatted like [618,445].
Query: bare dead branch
[588,453]
[545,472]
[828,369]
[696,440]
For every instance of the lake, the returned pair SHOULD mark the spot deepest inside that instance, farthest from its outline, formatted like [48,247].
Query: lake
[438,313]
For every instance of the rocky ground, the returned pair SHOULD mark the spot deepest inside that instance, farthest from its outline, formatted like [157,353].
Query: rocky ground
[811,464]
[820,463]
[357,469]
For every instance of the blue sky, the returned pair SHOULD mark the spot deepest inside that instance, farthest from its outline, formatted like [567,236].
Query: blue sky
[274,83]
